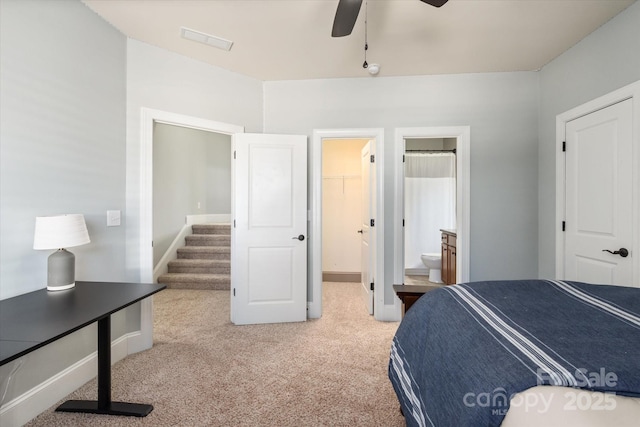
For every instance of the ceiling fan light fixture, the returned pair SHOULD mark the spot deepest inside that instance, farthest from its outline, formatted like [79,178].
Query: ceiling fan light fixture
[205,38]
[373,69]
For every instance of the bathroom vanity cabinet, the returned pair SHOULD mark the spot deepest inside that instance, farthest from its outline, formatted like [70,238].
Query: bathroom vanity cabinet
[449,257]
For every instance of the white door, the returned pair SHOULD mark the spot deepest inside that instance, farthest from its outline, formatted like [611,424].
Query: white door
[599,196]
[368,244]
[269,234]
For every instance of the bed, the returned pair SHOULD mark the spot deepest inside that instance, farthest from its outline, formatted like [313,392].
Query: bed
[520,353]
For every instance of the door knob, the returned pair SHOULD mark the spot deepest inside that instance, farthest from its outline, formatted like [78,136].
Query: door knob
[300,237]
[360,231]
[623,252]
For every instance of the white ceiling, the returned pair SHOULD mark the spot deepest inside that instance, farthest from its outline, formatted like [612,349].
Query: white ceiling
[291,39]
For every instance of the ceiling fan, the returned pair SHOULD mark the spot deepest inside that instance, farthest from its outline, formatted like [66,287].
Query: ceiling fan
[347,13]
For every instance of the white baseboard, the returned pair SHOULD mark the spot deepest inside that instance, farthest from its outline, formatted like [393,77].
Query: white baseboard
[416,271]
[209,219]
[27,406]
[391,312]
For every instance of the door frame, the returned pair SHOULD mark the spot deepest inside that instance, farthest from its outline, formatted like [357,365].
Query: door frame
[463,196]
[148,117]
[315,217]
[631,91]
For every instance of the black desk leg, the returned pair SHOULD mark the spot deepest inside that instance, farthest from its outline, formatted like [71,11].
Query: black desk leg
[104,405]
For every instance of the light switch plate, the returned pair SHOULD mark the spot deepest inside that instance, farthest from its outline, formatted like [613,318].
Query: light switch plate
[113,218]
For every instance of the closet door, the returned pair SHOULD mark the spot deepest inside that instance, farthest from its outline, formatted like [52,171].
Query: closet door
[599,197]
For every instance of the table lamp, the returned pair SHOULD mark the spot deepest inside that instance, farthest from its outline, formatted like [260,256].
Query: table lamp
[60,232]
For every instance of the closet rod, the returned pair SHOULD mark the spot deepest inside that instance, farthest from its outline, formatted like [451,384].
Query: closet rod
[431,151]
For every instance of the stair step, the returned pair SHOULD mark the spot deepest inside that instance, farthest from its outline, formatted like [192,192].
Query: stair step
[211,229]
[205,252]
[204,261]
[200,266]
[218,282]
[208,240]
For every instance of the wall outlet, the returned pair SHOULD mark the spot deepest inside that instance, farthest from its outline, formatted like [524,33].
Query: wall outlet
[113,218]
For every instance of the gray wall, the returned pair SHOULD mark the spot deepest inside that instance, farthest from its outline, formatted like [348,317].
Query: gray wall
[500,108]
[604,61]
[62,150]
[192,176]
[72,92]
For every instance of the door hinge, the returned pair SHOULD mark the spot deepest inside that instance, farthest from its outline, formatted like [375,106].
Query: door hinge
[234,223]
[373,158]
[564,226]
[403,222]
[373,222]
[403,158]
[234,154]
[372,286]
[564,146]
[234,292]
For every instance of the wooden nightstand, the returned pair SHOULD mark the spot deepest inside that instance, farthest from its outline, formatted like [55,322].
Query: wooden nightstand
[409,294]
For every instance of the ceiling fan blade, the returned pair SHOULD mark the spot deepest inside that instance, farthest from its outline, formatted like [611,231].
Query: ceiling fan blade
[346,16]
[436,3]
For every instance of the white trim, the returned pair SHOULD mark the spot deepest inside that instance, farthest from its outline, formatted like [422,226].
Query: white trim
[147,118]
[162,266]
[208,219]
[416,271]
[315,218]
[631,91]
[27,406]
[463,192]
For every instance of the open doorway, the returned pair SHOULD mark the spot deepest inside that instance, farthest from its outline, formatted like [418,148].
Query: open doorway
[149,119]
[344,238]
[191,187]
[446,138]
[341,209]
[376,136]
[141,232]
[429,210]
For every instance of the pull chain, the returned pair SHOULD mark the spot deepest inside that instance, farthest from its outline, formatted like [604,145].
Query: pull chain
[366,46]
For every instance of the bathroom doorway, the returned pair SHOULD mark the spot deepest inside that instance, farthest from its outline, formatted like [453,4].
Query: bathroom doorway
[429,207]
[444,138]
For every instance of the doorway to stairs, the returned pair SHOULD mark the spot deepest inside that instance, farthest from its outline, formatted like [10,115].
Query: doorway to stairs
[140,198]
[192,181]
[151,118]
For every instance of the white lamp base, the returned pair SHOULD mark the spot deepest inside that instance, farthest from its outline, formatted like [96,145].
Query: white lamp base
[61,288]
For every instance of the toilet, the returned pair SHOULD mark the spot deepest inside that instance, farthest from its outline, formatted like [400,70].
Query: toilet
[433,261]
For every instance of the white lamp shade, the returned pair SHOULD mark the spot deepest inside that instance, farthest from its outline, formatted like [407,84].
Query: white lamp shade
[61,231]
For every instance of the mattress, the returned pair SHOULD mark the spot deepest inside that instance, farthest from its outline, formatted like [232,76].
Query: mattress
[552,406]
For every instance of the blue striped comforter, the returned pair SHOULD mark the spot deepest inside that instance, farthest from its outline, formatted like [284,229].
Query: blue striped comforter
[462,351]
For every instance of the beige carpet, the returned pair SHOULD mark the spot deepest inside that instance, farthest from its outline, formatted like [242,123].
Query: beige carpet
[204,371]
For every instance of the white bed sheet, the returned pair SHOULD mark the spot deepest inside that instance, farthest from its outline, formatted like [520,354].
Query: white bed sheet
[552,406]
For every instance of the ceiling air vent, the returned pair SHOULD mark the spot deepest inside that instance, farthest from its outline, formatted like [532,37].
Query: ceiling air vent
[200,37]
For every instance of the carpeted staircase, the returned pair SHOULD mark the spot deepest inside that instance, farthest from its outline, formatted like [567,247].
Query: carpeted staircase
[204,262]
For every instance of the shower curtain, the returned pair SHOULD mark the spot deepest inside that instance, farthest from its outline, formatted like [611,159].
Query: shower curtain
[429,203]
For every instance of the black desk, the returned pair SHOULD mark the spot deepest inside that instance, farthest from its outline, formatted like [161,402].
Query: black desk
[33,320]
